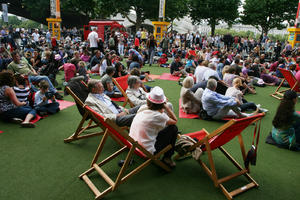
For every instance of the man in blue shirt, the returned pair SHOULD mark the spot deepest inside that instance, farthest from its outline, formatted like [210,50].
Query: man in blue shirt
[219,106]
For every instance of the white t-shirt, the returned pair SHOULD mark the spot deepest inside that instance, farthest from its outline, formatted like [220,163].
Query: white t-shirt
[36,36]
[145,127]
[93,39]
[210,72]
[233,92]
[103,67]
[199,73]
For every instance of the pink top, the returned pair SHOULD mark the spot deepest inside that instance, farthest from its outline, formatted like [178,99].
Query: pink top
[85,58]
[70,70]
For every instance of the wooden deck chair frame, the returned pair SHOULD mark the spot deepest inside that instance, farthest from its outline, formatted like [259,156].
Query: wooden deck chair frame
[127,100]
[211,169]
[121,137]
[292,81]
[78,134]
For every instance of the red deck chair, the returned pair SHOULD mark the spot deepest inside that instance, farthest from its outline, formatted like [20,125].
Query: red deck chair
[80,132]
[224,134]
[126,142]
[292,81]
[122,85]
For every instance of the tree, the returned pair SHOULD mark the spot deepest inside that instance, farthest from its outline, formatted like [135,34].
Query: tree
[175,9]
[268,14]
[213,11]
[73,12]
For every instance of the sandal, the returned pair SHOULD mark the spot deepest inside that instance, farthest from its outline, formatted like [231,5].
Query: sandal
[27,125]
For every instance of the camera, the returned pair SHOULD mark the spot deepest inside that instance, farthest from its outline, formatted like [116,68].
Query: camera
[49,95]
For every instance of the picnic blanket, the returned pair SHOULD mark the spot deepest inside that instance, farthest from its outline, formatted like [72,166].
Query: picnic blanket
[168,76]
[62,105]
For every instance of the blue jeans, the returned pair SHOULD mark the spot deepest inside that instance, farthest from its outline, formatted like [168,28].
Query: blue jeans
[40,78]
[248,106]
[50,108]
[19,112]
[151,53]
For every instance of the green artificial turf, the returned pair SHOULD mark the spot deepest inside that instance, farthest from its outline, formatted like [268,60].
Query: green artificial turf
[36,164]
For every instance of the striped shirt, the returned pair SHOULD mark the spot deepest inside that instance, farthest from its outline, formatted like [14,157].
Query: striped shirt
[22,93]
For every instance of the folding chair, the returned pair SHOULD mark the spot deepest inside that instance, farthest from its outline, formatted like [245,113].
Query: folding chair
[85,116]
[121,137]
[292,81]
[122,85]
[209,142]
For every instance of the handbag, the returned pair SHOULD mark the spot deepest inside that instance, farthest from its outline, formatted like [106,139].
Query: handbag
[252,153]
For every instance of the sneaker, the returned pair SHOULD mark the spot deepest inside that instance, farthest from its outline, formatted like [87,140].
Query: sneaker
[16,120]
[58,96]
[169,162]
[263,110]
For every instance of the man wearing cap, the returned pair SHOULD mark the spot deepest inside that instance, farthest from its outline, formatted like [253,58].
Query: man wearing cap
[154,126]
[21,66]
[103,105]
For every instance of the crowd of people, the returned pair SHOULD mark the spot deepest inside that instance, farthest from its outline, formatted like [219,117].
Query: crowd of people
[216,73]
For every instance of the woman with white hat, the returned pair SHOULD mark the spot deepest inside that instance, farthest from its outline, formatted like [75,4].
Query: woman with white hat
[154,126]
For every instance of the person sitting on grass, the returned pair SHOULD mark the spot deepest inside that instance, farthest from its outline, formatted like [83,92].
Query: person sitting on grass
[21,66]
[190,64]
[11,109]
[41,100]
[21,89]
[163,60]
[235,92]
[154,126]
[176,67]
[286,123]
[190,101]
[219,106]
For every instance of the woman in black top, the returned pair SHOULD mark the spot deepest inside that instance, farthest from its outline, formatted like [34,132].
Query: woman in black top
[151,45]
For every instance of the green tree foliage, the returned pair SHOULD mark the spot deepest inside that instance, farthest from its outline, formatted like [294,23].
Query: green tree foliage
[175,9]
[213,11]
[268,14]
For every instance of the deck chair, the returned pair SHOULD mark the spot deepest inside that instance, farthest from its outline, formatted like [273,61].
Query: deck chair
[121,137]
[292,81]
[209,142]
[122,85]
[78,134]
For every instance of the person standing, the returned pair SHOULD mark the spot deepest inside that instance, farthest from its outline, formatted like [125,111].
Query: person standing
[151,45]
[93,40]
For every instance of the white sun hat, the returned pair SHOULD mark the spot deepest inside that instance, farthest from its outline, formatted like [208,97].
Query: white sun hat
[156,95]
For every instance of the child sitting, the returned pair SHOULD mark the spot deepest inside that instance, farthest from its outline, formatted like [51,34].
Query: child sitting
[21,89]
[163,60]
[41,100]
[82,71]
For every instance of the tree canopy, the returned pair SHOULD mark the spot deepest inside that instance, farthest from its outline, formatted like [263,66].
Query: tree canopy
[268,14]
[213,11]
